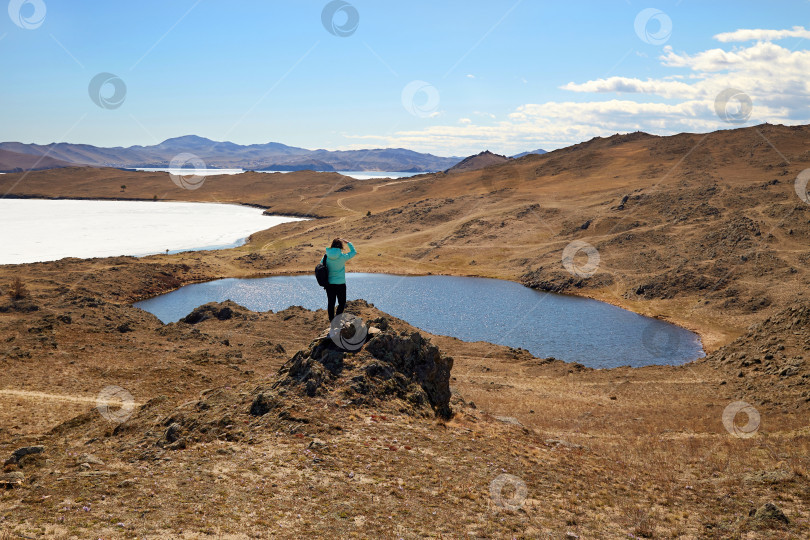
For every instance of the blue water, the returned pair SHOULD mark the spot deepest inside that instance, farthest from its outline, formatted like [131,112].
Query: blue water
[574,329]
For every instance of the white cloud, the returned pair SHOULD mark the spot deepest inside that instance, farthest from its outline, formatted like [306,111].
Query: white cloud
[770,74]
[465,121]
[555,124]
[774,77]
[758,59]
[762,35]
[470,76]
[664,88]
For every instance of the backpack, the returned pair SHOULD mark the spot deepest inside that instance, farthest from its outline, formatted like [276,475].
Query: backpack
[322,273]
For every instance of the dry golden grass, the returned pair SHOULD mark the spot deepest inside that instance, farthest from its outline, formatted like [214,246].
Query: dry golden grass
[688,194]
[602,453]
[654,462]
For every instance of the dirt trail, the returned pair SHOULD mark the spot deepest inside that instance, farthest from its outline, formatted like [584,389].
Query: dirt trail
[340,204]
[373,190]
[52,397]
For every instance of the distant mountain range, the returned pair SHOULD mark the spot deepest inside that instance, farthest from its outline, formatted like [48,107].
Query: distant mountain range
[538,151]
[15,156]
[270,156]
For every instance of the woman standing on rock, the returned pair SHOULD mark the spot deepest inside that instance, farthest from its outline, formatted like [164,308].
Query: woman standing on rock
[336,263]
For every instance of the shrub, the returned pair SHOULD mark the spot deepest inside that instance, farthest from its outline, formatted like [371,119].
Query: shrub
[17,290]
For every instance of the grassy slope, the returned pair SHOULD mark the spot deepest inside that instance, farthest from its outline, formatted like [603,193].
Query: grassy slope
[705,232]
[654,456]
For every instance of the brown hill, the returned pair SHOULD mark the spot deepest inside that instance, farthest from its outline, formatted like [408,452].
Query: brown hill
[15,162]
[478,161]
[706,230]
[225,431]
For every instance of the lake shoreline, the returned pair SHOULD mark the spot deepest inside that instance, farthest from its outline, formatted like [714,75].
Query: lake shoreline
[394,217]
[438,305]
[130,199]
[694,249]
[38,230]
[432,223]
[266,208]
[710,339]
[699,331]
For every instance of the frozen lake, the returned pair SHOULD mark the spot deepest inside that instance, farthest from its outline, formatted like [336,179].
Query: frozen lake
[357,175]
[34,230]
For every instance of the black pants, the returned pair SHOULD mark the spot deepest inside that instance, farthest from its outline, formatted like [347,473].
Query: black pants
[335,291]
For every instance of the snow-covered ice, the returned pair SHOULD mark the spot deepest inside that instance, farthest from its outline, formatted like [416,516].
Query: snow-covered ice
[33,230]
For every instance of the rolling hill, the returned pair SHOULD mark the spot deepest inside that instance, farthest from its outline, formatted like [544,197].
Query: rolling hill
[241,421]
[16,162]
[478,161]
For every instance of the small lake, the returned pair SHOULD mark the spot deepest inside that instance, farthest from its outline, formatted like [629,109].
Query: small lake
[357,175]
[36,230]
[574,329]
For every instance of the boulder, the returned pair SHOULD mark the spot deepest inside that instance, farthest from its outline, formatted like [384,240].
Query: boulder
[769,513]
[172,438]
[88,459]
[508,420]
[12,479]
[24,451]
[172,432]
[262,404]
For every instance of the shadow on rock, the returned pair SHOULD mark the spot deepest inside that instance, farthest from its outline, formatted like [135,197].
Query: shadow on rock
[390,366]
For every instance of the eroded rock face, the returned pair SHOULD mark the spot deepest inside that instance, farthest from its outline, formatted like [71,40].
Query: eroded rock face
[390,366]
[417,359]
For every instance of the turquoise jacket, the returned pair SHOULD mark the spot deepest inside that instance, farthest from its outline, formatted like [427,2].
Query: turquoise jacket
[336,263]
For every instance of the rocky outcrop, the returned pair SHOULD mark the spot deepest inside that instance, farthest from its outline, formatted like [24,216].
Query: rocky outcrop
[392,370]
[214,310]
[391,366]
[775,350]
[20,453]
[415,358]
[556,281]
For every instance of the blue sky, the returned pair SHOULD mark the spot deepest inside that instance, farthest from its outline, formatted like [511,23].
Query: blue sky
[451,78]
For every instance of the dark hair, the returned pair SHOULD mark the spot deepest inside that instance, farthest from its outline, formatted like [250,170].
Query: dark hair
[337,243]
